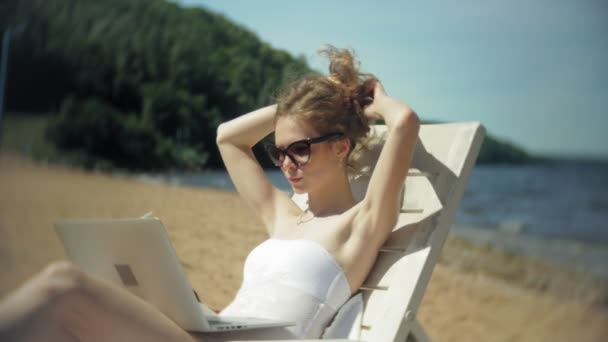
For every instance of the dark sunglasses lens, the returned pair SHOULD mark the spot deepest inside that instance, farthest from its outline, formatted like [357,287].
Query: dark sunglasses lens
[300,152]
[274,154]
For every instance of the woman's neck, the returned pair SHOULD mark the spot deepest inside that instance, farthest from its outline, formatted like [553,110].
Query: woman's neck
[332,200]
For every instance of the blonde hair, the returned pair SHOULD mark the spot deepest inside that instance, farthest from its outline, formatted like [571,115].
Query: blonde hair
[335,103]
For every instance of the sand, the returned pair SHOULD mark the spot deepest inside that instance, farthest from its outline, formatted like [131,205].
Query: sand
[475,294]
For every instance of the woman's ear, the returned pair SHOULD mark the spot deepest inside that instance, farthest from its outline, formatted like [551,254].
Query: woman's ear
[341,148]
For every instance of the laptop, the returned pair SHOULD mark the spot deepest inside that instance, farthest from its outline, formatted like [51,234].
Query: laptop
[137,253]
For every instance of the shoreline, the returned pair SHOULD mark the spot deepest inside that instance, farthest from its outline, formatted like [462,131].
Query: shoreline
[477,291]
[572,254]
[576,255]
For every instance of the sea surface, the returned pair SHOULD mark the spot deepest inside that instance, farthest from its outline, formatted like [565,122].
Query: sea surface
[553,210]
[560,200]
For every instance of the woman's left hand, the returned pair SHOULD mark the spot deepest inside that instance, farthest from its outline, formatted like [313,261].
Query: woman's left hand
[374,110]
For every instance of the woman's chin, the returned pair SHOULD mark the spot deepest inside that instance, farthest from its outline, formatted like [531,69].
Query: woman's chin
[298,187]
[298,190]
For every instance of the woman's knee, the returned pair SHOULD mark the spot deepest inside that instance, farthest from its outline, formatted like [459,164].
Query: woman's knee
[61,278]
[36,310]
[34,302]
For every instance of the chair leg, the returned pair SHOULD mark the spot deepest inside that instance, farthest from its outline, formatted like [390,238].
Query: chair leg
[417,333]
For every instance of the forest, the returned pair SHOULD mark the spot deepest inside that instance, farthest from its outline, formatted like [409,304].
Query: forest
[142,85]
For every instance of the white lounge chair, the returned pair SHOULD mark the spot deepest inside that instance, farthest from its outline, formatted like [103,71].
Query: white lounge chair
[445,155]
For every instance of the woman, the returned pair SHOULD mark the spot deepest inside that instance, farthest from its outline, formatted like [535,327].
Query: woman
[315,258]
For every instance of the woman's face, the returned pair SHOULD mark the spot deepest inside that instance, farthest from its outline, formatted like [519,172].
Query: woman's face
[322,162]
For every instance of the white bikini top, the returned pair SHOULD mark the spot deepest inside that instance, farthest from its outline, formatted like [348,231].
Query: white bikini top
[292,279]
[303,264]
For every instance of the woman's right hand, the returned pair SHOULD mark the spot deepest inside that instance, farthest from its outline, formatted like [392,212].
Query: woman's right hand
[374,110]
[384,107]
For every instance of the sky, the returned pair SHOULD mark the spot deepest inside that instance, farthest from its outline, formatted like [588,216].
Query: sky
[534,72]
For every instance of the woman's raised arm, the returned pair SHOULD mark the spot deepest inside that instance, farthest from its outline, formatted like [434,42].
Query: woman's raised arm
[380,206]
[235,140]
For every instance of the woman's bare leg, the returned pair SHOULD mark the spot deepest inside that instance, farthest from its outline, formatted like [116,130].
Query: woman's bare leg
[62,303]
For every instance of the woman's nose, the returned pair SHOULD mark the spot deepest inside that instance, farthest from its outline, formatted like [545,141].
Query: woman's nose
[288,164]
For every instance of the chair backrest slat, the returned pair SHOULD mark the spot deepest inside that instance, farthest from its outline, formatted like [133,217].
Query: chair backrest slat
[444,157]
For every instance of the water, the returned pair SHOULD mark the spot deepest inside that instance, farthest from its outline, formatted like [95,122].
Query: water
[217,179]
[559,200]
[557,211]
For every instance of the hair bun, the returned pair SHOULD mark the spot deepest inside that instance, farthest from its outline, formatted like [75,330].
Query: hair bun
[358,88]
[342,66]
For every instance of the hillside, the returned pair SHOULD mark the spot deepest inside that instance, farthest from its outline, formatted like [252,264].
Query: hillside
[143,84]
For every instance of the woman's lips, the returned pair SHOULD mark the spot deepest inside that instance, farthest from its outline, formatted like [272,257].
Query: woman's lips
[294,179]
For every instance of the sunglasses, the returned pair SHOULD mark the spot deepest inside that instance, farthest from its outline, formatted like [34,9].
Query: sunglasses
[298,151]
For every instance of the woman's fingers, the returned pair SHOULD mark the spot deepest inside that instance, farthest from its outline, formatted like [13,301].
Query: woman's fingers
[379,89]
[371,111]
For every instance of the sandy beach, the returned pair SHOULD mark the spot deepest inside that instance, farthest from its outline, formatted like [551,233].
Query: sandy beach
[476,293]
